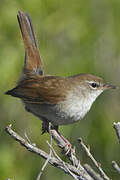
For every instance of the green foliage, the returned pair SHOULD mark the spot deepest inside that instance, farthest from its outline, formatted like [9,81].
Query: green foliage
[76,36]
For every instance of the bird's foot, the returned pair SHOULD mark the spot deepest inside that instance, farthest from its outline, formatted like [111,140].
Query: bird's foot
[67,147]
[60,139]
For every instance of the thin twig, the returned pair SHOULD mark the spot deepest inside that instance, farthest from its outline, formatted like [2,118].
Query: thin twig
[72,174]
[54,152]
[117,129]
[116,167]
[92,172]
[28,139]
[87,150]
[46,162]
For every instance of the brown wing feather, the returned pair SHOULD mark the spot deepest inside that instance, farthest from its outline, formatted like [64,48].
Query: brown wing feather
[47,89]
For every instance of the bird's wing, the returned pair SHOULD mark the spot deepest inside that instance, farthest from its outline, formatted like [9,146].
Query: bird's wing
[47,89]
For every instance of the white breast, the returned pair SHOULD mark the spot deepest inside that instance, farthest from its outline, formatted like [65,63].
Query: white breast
[75,107]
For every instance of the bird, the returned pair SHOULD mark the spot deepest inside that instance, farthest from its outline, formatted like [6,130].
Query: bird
[53,99]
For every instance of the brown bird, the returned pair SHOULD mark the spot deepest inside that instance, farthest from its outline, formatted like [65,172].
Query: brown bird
[59,100]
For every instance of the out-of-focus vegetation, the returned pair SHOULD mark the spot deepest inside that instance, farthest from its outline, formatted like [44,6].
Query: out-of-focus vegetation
[74,36]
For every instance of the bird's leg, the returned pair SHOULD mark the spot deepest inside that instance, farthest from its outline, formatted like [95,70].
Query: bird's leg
[47,127]
[67,147]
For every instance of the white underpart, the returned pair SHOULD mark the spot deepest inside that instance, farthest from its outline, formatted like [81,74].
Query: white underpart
[75,107]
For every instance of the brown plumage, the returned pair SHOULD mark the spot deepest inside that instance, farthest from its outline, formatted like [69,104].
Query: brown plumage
[37,89]
[59,100]
[33,62]
[48,89]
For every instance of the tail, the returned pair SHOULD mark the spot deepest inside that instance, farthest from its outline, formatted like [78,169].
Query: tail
[15,93]
[33,62]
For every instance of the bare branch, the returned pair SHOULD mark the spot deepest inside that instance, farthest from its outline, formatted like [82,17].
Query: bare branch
[79,172]
[61,143]
[116,167]
[72,174]
[46,162]
[117,129]
[87,150]
[92,172]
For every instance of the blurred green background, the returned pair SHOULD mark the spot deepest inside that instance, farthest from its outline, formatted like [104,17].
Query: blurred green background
[73,36]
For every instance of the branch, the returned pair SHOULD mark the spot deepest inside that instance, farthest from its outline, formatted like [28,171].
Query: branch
[80,173]
[46,162]
[87,150]
[116,167]
[117,129]
[61,143]
[92,173]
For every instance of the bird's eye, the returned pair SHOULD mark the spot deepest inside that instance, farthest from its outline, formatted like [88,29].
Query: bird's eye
[94,85]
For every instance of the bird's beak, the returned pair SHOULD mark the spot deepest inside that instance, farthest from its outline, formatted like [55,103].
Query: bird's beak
[109,86]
